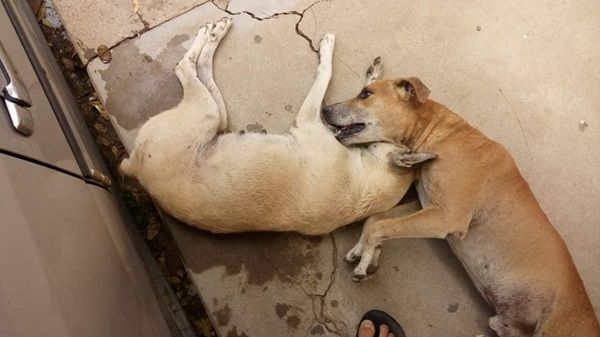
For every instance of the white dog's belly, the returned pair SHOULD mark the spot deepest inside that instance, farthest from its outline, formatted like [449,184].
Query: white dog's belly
[266,182]
[255,182]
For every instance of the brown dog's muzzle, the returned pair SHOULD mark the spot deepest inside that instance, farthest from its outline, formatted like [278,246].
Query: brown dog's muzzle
[341,127]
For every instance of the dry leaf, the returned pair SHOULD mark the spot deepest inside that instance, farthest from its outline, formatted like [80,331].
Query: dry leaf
[152,230]
[100,127]
[100,108]
[104,53]
[174,280]
[204,325]
[102,141]
[69,64]
[48,15]
[136,6]
[115,152]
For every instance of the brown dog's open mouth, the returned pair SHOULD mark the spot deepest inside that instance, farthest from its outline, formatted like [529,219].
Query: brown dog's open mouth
[343,131]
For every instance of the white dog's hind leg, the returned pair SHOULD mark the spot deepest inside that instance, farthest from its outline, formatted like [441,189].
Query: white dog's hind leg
[197,110]
[310,111]
[205,64]
[193,89]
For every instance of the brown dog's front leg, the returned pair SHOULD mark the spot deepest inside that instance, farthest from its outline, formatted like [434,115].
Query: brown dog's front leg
[431,222]
[398,211]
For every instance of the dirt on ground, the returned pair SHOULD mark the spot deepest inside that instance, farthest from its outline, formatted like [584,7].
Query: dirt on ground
[136,199]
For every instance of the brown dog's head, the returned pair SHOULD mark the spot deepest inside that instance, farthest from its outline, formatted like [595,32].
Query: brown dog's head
[389,103]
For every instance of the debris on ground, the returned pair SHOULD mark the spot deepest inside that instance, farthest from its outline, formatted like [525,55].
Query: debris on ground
[104,53]
[48,16]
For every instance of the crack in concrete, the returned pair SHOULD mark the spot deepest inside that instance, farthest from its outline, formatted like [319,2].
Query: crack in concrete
[514,111]
[300,16]
[146,28]
[332,324]
[144,22]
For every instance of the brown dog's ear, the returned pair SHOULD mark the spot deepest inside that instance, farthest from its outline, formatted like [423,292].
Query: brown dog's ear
[413,90]
[409,159]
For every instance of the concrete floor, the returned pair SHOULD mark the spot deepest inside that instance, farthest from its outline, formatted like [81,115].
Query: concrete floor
[526,74]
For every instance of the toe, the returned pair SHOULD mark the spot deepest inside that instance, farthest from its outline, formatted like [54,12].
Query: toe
[366,329]
[384,330]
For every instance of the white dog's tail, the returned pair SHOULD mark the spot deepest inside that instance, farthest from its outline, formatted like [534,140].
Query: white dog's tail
[128,167]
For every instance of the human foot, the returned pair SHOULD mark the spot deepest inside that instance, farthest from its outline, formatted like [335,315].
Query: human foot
[377,323]
[367,329]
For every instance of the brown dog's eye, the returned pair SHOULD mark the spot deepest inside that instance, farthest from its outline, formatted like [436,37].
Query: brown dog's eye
[365,93]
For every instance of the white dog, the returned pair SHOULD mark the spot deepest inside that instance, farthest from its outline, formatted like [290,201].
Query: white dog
[305,181]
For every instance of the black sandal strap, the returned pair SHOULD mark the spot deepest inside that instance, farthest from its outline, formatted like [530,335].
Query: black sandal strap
[379,317]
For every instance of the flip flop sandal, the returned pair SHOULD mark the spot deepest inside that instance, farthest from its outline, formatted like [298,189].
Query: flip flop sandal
[379,317]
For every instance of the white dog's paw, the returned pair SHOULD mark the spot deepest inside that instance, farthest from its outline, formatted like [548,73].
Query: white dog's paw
[219,29]
[327,42]
[224,23]
[203,31]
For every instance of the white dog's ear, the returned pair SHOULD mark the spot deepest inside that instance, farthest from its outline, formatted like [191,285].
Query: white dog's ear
[413,90]
[409,159]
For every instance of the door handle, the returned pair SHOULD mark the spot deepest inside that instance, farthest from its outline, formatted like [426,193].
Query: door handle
[16,97]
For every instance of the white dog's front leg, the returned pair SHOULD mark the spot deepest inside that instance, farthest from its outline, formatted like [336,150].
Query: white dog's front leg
[310,111]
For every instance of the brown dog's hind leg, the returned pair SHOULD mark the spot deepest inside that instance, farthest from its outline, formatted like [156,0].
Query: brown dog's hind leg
[506,329]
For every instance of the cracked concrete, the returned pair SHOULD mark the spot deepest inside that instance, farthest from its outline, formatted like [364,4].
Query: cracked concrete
[91,23]
[145,64]
[266,8]
[525,74]
[272,14]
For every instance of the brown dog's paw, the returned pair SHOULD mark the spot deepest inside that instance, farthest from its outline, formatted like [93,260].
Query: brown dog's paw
[372,269]
[351,260]
[358,277]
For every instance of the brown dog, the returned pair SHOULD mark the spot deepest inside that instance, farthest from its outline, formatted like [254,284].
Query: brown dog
[474,196]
